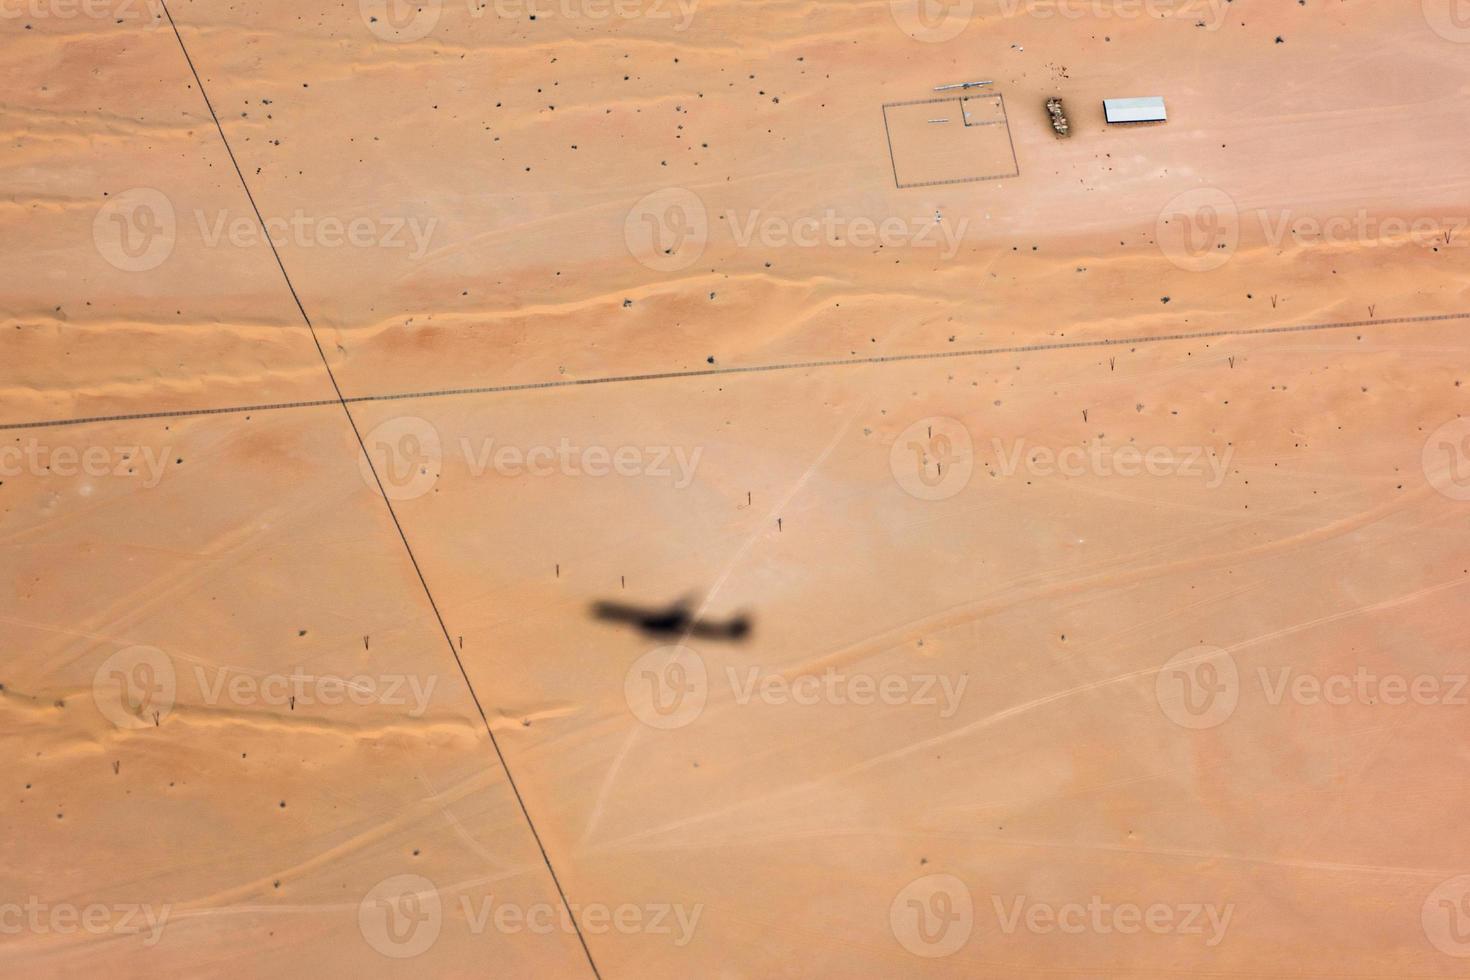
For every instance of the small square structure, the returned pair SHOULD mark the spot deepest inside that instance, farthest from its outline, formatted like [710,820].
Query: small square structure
[1150,108]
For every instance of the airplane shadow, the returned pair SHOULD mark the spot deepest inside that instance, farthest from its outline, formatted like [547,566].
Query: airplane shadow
[676,620]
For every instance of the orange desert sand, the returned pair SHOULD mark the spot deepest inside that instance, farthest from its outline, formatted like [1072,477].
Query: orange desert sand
[1099,506]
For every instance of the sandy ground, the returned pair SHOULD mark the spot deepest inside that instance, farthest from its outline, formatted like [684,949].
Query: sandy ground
[1102,528]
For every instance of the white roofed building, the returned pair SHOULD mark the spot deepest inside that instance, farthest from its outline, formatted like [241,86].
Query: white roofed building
[1149,108]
